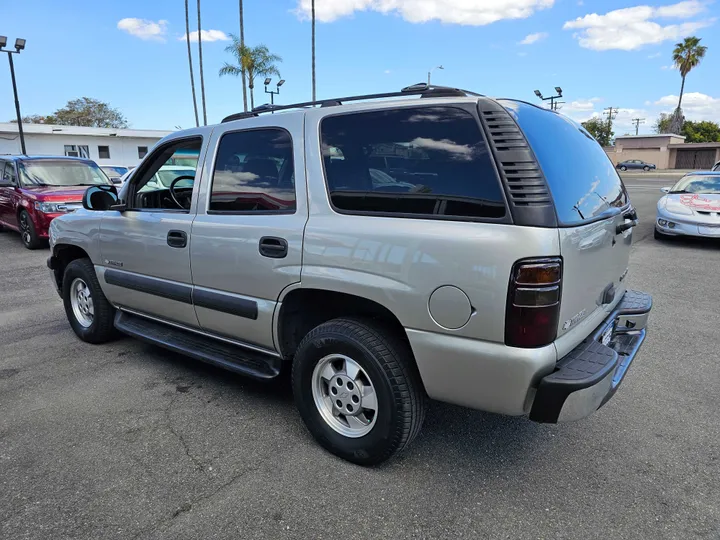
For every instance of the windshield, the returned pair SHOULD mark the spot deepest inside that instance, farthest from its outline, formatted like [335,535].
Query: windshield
[698,184]
[61,173]
[114,171]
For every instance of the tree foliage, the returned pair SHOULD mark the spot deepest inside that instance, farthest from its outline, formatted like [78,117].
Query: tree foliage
[686,55]
[694,132]
[86,112]
[600,129]
[253,61]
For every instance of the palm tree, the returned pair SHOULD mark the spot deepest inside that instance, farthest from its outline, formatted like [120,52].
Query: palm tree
[686,56]
[192,77]
[202,77]
[313,49]
[254,61]
[242,42]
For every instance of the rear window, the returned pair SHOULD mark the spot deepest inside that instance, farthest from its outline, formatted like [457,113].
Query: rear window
[582,179]
[417,162]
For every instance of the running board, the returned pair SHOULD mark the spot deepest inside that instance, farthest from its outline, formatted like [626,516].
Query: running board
[206,349]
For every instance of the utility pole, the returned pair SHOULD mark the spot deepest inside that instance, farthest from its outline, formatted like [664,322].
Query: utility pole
[637,122]
[611,113]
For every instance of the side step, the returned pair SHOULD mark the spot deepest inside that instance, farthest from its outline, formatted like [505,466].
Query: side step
[206,349]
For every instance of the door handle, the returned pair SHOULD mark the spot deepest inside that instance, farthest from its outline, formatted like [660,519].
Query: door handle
[273,247]
[177,239]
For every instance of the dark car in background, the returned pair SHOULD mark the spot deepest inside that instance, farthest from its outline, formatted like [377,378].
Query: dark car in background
[635,164]
[34,190]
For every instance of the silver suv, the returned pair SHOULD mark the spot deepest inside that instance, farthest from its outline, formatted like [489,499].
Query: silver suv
[453,247]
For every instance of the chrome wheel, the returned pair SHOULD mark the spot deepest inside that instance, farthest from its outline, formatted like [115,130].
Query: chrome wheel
[25,233]
[344,395]
[82,302]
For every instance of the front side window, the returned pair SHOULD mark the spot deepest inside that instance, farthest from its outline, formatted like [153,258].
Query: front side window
[162,186]
[61,172]
[420,162]
[583,181]
[254,172]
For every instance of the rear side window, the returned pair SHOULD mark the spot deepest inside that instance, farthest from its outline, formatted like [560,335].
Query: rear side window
[421,161]
[582,179]
[254,173]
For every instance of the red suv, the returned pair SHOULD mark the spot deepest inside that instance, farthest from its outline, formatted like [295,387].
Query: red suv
[34,190]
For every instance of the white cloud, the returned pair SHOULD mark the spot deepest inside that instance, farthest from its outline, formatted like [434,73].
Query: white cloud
[695,105]
[672,66]
[533,38]
[656,55]
[207,35]
[144,29]
[387,72]
[582,109]
[467,12]
[631,28]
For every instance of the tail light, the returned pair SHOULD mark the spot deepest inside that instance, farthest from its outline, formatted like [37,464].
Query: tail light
[533,306]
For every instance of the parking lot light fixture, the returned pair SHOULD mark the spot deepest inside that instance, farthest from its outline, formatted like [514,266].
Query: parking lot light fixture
[538,94]
[559,91]
[281,82]
[273,92]
[19,46]
[267,80]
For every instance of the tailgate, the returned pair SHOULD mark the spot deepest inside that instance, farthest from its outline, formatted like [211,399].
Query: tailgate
[595,262]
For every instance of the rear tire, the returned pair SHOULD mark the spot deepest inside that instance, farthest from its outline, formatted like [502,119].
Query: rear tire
[358,390]
[88,311]
[28,234]
[623,168]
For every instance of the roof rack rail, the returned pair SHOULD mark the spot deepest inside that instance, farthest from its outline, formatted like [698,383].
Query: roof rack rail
[421,89]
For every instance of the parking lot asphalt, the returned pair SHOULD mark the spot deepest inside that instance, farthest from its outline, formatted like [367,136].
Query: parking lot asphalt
[127,441]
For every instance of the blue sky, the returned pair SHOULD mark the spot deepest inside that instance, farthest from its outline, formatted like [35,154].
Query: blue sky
[507,48]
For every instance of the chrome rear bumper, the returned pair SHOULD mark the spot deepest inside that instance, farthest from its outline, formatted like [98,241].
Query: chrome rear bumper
[586,378]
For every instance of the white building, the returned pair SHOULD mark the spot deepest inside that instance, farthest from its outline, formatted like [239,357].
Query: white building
[102,145]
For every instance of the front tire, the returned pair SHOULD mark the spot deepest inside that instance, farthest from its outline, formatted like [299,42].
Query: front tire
[88,311]
[646,168]
[358,390]
[623,168]
[28,234]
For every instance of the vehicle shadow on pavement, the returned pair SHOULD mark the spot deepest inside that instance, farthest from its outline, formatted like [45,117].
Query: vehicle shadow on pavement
[707,244]
[452,435]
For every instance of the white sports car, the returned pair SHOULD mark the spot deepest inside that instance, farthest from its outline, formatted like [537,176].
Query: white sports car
[691,207]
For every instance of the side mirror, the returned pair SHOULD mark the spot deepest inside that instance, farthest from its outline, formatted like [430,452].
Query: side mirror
[665,189]
[99,197]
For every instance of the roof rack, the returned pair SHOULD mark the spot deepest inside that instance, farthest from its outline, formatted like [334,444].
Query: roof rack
[421,89]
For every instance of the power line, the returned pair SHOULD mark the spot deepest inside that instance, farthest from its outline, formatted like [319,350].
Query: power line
[637,122]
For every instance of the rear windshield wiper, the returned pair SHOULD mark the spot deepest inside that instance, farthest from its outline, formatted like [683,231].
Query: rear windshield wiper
[679,191]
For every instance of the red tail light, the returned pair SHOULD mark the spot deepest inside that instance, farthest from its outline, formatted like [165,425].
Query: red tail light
[533,306]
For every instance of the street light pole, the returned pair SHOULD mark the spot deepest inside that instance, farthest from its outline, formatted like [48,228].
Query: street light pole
[273,92]
[19,46]
[433,69]
[553,106]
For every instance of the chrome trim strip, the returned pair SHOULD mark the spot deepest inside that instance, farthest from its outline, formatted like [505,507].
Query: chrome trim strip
[201,332]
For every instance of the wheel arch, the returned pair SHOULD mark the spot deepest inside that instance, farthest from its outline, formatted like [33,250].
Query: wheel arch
[62,255]
[302,309]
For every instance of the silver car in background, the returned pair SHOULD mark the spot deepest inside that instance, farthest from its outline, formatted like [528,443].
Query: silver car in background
[691,207]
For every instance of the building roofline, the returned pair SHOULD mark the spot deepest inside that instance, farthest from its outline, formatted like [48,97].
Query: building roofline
[652,135]
[54,129]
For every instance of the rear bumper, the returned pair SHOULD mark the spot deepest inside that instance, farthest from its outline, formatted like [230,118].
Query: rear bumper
[586,378]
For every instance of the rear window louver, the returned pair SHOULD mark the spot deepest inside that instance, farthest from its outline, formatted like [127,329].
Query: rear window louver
[523,180]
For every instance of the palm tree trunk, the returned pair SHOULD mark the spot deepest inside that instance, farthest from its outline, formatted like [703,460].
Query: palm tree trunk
[242,43]
[313,49]
[682,89]
[252,97]
[202,77]
[192,77]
